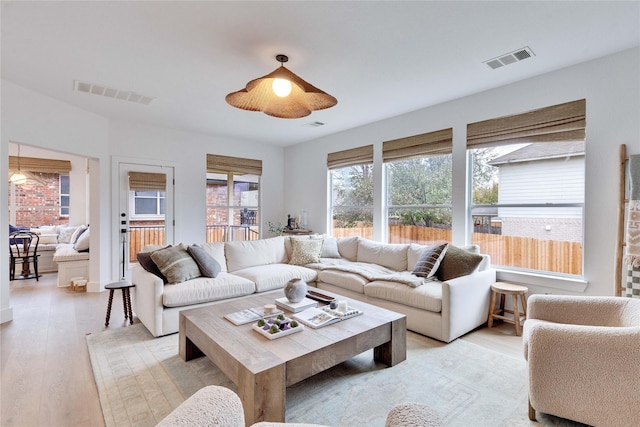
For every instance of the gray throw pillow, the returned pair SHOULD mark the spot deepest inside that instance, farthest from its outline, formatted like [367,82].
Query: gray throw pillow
[176,264]
[208,266]
[430,260]
[457,262]
[145,261]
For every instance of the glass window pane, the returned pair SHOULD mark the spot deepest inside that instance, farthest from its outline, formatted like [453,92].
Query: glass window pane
[510,183]
[352,201]
[426,226]
[146,194]
[64,184]
[146,206]
[423,181]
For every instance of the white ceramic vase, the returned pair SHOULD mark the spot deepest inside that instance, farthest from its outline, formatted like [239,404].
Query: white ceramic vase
[295,290]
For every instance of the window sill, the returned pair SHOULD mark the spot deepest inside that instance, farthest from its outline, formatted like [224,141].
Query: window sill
[542,280]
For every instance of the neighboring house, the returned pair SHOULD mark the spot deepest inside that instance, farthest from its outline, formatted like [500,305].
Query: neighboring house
[530,175]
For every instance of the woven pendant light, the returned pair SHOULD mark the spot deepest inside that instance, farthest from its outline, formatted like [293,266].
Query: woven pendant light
[260,95]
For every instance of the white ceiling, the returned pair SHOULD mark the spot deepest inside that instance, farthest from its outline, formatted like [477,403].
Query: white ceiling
[379,59]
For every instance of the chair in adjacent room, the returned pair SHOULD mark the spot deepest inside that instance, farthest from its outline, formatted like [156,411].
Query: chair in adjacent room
[23,248]
[583,354]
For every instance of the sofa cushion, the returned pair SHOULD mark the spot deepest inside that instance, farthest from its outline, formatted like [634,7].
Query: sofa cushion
[82,242]
[428,263]
[216,250]
[305,251]
[251,253]
[65,252]
[342,279]
[457,262]
[275,276]
[205,289]
[426,297]
[176,264]
[208,266]
[388,255]
[47,239]
[348,247]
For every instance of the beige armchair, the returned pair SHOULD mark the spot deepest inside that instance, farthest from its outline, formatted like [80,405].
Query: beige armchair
[584,358]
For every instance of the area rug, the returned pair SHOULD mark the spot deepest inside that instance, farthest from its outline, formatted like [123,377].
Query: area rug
[141,379]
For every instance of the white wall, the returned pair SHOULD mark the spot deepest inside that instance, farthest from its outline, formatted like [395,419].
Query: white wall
[38,121]
[611,86]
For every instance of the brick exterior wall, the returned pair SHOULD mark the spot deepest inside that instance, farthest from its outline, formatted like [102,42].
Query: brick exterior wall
[38,204]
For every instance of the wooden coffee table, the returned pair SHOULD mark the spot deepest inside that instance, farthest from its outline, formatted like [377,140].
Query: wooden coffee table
[263,368]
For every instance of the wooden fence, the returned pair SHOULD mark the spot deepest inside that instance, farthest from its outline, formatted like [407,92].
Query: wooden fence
[523,252]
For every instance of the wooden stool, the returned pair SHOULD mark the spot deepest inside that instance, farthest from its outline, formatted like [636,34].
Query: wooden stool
[505,289]
[126,300]
[74,281]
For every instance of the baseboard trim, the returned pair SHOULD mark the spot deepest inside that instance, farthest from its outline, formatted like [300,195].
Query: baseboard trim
[6,315]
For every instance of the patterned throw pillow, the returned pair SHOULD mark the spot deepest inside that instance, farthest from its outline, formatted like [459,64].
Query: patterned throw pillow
[457,262]
[305,251]
[176,264]
[65,233]
[430,260]
[208,266]
[145,261]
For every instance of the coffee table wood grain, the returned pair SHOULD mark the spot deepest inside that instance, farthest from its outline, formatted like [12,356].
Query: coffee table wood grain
[263,368]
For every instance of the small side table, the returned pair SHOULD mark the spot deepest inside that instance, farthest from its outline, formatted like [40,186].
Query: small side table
[505,289]
[126,300]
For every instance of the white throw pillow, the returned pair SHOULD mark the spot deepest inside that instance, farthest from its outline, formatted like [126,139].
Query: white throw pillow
[330,247]
[82,244]
[348,247]
[65,233]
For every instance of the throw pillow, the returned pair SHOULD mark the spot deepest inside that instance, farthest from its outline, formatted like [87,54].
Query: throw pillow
[208,266]
[176,264]
[457,262]
[65,233]
[79,230]
[330,248]
[145,261]
[305,251]
[430,260]
[82,244]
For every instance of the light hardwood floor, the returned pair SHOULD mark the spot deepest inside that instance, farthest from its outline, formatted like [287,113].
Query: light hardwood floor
[46,377]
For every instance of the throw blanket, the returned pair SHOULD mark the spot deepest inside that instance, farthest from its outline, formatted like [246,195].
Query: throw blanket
[370,272]
[632,258]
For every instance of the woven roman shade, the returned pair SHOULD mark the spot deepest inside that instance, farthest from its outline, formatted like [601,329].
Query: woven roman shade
[562,122]
[238,165]
[351,157]
[33,164]
[145,181]
[423,145]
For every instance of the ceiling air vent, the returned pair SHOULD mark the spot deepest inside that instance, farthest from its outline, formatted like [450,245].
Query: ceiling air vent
[510,58]
[112,93]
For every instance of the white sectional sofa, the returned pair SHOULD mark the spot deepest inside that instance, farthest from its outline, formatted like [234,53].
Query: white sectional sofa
[377,273]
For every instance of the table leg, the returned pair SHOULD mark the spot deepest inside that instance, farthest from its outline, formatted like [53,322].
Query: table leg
[262,394]
[129,307]
[106,321]
[394,351]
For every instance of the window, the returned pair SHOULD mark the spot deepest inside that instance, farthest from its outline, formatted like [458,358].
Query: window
[419,186]
[64,195]
[351,178]
[233,198]
[147,203]
[147,195]
[44,198]
[527,201]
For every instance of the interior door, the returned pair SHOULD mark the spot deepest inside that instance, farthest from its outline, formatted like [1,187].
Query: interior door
[145,211]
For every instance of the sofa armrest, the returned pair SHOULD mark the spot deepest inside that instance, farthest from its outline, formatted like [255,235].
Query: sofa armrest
[465,303]
[577,310]
[576,370]
[147,299]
